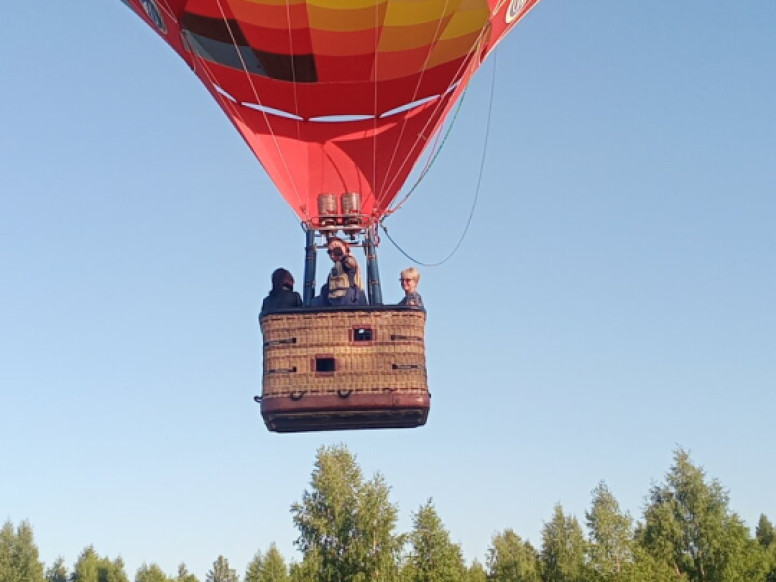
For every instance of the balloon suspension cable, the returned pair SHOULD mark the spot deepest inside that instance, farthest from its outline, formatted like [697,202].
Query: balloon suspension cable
[438,144]
[222,99]
[476,190]
[418,84]
[437,149]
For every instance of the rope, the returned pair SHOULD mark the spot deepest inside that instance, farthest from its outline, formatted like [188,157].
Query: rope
[258,101]
[469,61]
[375,73]
[384,186]
[476,191]
[292,64]
[436,151]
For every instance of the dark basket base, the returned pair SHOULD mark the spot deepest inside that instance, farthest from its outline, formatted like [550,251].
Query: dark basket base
[355,411]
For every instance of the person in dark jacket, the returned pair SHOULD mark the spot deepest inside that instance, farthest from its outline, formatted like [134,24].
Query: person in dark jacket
[282,296]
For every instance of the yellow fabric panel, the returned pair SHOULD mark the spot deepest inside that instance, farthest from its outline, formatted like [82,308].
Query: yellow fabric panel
[400,38]
[267,2]
[464,23]
[407,13]
[476,5]
[448,50]
[346,21]
[344,5]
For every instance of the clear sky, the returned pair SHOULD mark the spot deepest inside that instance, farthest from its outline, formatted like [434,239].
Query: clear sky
[614,297]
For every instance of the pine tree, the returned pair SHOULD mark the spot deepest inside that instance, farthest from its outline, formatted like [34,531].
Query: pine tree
[221,572]
[765,535]
[764,532]
[57,572]
[563,549]
[90,567]
[611,535]
[253,571]
[433,557]
[19,559]
[269,567]
[476,573]
[690,527]
[305,571]
[151,573]
[184,575]
[510,559]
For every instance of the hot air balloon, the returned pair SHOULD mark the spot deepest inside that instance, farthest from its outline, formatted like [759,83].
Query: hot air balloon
[337,99]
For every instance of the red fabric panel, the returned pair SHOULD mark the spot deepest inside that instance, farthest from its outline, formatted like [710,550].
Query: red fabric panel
[280,16]
[371,157]
[208,8]
[344,69]
[344,73]
[324,99]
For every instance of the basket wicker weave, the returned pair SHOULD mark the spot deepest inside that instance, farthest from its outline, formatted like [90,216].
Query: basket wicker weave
[334,363]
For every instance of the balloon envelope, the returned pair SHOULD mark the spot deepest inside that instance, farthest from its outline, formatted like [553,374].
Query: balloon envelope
[334,96]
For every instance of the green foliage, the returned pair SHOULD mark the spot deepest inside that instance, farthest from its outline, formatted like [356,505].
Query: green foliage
[270,567]
[510,559]
[151,573]
[346,534]
[476,573]
[433,557]
[221,572]
[19,561]
[764,532]
[563,549]
[305,571]
[611,536]
[57,572]
[345,523]
[184,575]
[769,563]
[766,538]
[645,568]
[90,567]
[690,528]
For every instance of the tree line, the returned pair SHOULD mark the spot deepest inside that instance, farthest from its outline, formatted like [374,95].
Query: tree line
[347,533]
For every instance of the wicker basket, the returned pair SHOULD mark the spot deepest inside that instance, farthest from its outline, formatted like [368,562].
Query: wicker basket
[344,368]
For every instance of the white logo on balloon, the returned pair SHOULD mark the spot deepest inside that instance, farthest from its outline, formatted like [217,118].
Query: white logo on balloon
[515,8]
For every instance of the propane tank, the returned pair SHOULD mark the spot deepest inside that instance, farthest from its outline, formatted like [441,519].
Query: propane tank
[327,209]
[351,208]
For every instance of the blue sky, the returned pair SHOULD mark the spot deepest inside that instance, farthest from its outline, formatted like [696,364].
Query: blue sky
[613,299]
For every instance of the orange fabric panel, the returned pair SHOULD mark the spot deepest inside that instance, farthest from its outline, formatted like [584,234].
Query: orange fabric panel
[350,20]
[402,38]
[446,50]
[399,64]
[280,16]
[348,43]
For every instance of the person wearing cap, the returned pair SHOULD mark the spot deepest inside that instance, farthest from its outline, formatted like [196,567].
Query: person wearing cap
[344,286]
